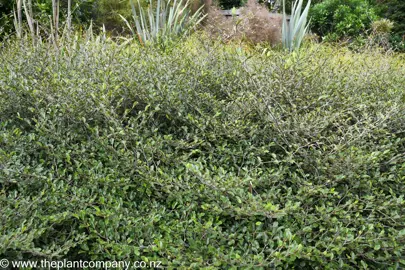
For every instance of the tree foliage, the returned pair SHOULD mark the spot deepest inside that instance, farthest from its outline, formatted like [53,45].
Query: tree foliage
[336,19]
[6,21]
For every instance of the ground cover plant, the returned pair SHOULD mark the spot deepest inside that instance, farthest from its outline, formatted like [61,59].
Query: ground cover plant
[203,155]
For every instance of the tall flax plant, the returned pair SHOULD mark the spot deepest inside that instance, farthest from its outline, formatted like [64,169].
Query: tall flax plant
[293,32]
[169,20]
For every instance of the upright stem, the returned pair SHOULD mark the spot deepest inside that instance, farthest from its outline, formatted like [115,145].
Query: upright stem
[19,16]
[69,16]
[30,20]
[30,8]
[55,7]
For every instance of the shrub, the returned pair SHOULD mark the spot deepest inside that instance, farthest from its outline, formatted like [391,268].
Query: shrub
[380,34]
[107,13]
[397,42]
[6,20]
[383,26]
[337,19]
[394,10]
[204,156]
[254,25]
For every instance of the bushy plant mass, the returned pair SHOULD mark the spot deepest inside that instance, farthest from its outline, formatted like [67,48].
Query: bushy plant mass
[202,156]
[6,20]
[394,10]
[337,19]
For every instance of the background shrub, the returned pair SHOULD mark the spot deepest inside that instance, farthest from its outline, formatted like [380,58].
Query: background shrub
[380,34]
[202,155]
[6,20]
[106,12]
[395,11]
[337,19]
[254,25]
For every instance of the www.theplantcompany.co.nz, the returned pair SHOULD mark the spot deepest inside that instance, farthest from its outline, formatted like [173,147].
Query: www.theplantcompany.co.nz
[68,264]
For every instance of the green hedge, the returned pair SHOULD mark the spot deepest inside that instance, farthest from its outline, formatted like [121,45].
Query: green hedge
[203,156]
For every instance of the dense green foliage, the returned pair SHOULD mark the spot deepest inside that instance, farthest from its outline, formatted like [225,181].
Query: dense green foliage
[336,19]
[107,12]
[202,156]
[394,10]
[6,20]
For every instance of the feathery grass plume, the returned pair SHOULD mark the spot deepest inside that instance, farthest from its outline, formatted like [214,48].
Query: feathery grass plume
[293,32]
